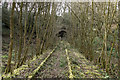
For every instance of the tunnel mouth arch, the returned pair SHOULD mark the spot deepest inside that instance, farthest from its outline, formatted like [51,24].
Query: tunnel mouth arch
[61,34]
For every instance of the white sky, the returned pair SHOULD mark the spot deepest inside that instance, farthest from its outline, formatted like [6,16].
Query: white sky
[59,13]
[61,0]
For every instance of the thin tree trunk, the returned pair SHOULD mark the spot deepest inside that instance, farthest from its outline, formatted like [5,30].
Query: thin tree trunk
[27,46]
[8,68]
[21,31]
[106,34]
[48,38]
[37,32]
[91,37]
[25,29]
[106,49]
[119,40]
[45,34]
[103,52]
[114,40]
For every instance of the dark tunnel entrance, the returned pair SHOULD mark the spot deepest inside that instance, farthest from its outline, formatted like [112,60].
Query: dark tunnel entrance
[61,34]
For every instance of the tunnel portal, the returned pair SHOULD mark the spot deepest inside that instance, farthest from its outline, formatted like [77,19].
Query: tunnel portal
[61,34]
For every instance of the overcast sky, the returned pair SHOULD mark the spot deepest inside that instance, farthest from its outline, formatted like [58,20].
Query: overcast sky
[60,0]
[60,11]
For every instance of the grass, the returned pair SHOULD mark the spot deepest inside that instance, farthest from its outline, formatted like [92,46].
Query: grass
[63,62]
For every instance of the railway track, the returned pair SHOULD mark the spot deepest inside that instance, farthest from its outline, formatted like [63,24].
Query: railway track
[61,62]
[56,66]
[42,63]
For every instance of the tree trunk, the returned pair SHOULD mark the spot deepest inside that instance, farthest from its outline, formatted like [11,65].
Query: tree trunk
[91,37]
[21,31]
[119,40]
[45,34]
[25,27]
[8,68]
[37,31]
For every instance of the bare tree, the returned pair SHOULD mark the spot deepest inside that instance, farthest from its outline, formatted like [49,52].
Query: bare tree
[8,68]
[119,40]
[21,34]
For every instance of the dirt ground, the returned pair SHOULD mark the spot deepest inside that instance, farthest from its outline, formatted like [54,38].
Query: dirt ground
[57,65]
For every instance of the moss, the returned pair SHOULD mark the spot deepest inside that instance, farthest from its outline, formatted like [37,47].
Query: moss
[87,67]
[92,73]
[95,71]
[82,74]
[17,71]
[34,58]
[88,72]
[6,75]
